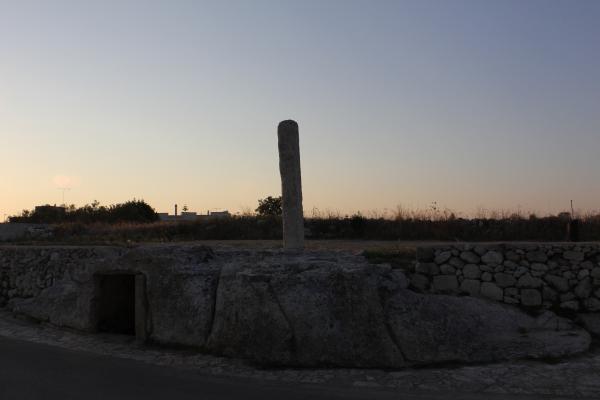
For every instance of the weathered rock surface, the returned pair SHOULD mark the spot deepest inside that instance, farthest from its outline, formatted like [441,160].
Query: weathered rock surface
[443,328]
[591,323]
[352,315]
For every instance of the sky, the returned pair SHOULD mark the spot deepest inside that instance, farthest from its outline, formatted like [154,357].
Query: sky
[469,104]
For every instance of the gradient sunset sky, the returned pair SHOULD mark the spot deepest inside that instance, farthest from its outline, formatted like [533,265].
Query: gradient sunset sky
[469,104]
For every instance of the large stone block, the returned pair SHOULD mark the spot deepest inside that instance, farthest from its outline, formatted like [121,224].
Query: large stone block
[584,289]
[531,297]
[425,253]
[504,280]
[542,268]
[471,271]
[470,286]
[592,304]
[527,281]
[492,257]
[559,283]
[427,268]
[491,291]
[537,256]
[442,257]
[573,255]
[470,257]
[447,269]
[445,283]
[549,294]
[419,282]
[451,329]
[591,323]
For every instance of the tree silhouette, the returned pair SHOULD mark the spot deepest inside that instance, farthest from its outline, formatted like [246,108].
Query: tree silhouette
[270,206]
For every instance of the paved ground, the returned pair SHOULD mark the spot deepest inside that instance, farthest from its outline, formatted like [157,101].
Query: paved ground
[35,371]
[42,362]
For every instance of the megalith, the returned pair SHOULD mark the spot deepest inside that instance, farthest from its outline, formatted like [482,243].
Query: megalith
[291,185]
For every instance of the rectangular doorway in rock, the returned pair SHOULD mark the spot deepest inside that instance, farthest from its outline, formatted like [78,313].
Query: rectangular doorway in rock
[119,304]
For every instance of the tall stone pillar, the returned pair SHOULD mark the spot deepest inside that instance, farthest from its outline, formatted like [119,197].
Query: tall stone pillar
[291,185]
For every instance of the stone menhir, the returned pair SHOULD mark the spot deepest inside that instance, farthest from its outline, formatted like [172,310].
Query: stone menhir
[291,185]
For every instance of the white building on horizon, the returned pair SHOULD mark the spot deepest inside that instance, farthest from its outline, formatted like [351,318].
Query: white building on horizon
[193,216]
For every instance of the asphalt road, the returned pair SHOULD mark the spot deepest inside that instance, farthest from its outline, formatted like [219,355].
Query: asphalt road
[30,371]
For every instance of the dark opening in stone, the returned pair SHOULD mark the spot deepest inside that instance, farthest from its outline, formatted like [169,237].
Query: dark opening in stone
[115,303]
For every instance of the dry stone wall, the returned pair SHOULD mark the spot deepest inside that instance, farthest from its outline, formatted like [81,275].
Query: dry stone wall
[563,277]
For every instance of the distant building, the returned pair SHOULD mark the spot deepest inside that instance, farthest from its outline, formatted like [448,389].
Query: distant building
[219,214]
[565,216]
[188,216]
[193,216]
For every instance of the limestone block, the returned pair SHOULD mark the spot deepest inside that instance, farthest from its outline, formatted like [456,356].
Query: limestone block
[591,323]
[425,253]
[539,267]
[549,294]
[584,289]
[592,304]
[427,268]
[527,281]
[572,305]
[573,255]
[470,286]
[419,282]
[491,291]
[557,282]
[442,257]
[492,257]
[504,280]
[445,283]
[537,256]
[447,269]
[456,262]
[470,257]
[531,297]
[471,271]
[582,274]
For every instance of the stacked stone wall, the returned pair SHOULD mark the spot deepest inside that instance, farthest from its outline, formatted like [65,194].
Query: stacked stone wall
[550,276]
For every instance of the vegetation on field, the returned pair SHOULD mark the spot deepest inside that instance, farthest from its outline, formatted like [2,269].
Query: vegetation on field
[136,221]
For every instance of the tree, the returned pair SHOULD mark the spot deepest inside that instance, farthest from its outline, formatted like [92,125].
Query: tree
[132,211]
[270,206]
